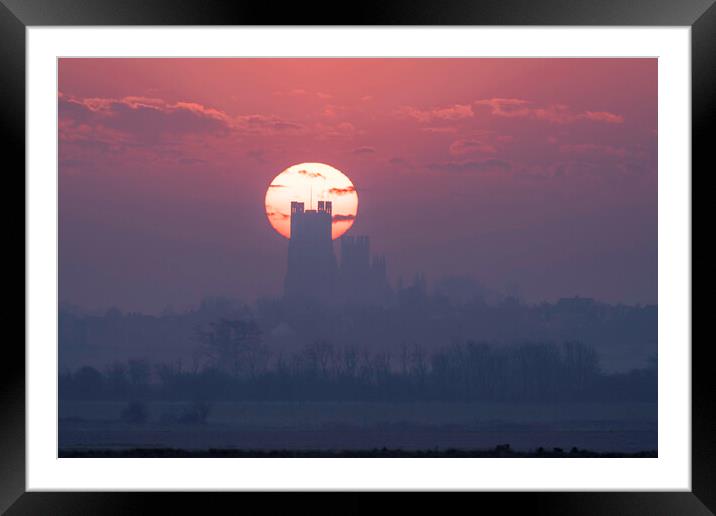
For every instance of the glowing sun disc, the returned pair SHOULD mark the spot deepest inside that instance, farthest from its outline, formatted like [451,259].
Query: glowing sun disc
[309,183]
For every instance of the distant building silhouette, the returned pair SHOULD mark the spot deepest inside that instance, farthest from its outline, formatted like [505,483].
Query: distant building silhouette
[312,266]
[313,273]
[413,294]
[362,281]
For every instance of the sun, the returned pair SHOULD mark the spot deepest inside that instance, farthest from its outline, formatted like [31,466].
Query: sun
[310,183]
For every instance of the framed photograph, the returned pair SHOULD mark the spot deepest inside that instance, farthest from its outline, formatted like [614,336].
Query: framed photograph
[418,248]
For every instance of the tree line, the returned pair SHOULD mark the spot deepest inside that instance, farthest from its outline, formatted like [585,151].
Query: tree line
[234,363]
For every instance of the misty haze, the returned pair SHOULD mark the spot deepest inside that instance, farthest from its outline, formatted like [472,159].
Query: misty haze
[389,257]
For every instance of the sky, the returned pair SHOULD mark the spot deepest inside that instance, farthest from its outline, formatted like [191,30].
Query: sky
[537,177]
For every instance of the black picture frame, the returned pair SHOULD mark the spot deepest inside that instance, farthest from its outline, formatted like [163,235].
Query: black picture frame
[17,15]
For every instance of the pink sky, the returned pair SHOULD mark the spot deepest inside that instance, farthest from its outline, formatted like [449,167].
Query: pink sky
[535,173]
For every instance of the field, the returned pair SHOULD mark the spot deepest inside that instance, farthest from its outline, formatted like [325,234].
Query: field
[602,428]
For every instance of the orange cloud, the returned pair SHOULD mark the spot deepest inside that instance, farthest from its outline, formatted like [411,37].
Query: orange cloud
[603,116]
[506,106]
[343,218]
[331,110]
[453,112]
[557,114]
[308,173]
[278,215]
[342,191]
[445,129]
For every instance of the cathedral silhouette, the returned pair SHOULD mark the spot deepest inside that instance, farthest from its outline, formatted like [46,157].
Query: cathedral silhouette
[313,273]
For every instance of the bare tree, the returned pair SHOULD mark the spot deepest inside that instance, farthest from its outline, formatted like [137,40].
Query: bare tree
[235,346]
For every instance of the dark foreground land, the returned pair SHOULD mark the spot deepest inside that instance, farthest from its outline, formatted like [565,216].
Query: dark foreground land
[501,451]
[297,429]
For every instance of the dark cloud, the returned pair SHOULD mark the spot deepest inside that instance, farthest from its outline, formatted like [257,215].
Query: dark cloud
[555,113]
[595,150]
[142,119]
[71,162]
[257,155]
[364,150]
[153,120]
[399,162]
[267,124]
[192,161]
[488,165]
[342,218]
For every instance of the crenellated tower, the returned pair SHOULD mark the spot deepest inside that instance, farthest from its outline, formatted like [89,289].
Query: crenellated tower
[312,269]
